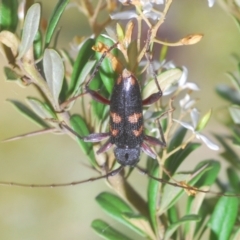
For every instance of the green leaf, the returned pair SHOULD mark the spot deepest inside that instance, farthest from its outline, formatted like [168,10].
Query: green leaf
[153,193]
[166,80]
[105,231]
[117,209]
[203,121]
[229,155]
[235,113]
[43,110]
[30,28]
[178,157]
[233,179]
[37,44]
[84,54]
[10,74]
[177,138]
[194,203]
[228,93]
[57,13]
[28,113]
[8,15]
[171,194]
[163,53]
[210,176]
[223,218]
[79,126]
[173,227]
[54,72]
[108,75]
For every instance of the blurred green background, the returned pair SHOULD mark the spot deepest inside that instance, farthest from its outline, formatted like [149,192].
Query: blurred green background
[66,213]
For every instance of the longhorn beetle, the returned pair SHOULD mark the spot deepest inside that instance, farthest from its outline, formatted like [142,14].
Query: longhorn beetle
[126,129]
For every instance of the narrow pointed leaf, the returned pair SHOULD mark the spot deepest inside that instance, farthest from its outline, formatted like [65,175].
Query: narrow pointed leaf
[54,72]
[172,194]
[105,231]
[41,109]
[61,5]
[173,227]
[30,28]
[28,113]
[203,121]
[178,157]
[142,223]
[223,218]
[117,208]
[84,55]
[153,191]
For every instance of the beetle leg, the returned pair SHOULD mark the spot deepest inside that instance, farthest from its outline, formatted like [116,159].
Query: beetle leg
[95,137]
[98,97]
[104,147]
[152,98]
[154,141]
[145,148]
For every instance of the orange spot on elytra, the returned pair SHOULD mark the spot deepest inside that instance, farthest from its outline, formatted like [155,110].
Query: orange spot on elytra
[134,117]
[138,132]
[114,132]
[115,117]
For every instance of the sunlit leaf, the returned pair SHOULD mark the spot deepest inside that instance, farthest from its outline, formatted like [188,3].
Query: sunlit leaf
[30,28]
[105,231]
[41,109]
[166,80]
[54,72]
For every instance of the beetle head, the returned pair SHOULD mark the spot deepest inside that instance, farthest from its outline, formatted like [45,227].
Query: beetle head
[127,156]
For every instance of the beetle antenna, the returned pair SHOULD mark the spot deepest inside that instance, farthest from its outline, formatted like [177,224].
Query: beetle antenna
[190,189]
[53,185]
